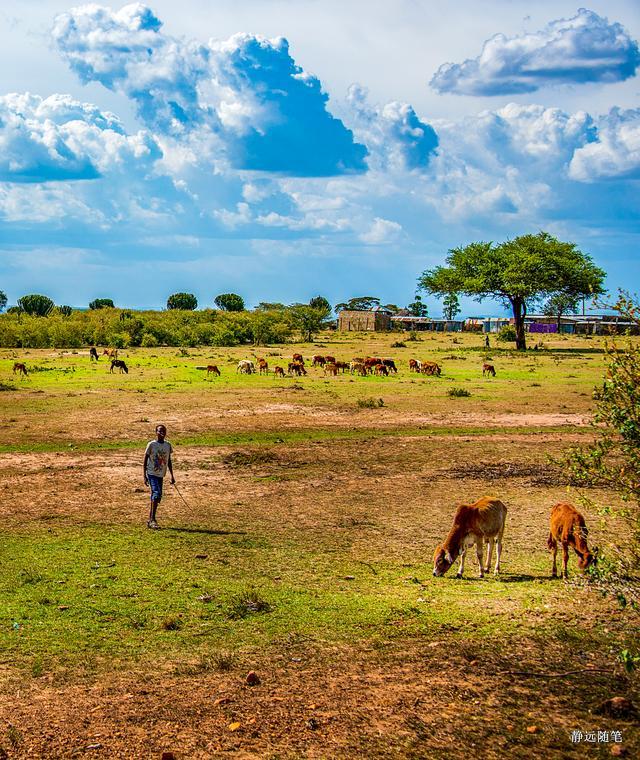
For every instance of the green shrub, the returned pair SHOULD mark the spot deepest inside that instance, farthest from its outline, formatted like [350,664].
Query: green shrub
[458,392]
[148,340]
[507,334]
[370,403]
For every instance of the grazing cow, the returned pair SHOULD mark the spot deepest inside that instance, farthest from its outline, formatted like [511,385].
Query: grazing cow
[112,353]
[343,366]
[20,368]
[430,368]
[330,359]
[212,369]
[331,369]
[358,359]
[567,526]
[390,365]
[295,368]
[381,369]
[263,367]
[472,524]
[488,369]
[245,367]
[318,361]
[358,367]
[119,363]
[298,358]
[414,365]
[93,354]
[278,372]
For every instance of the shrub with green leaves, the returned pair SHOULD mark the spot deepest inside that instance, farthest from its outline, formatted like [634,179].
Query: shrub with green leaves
[507,334]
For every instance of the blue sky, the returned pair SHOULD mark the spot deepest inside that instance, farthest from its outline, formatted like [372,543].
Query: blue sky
[287,149]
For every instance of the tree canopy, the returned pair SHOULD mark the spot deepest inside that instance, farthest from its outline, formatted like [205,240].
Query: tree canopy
[101,303]
[362,303]
[36,305]
[418,308]
[560,304]
[519,273]
[450,306]
[229,302]
[182,301]
[3,300]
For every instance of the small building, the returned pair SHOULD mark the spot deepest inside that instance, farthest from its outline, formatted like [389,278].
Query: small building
[409,322]
[585,324]
[375,320]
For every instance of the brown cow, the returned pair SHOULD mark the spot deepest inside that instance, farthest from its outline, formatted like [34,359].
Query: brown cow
[414,365]
[112,353]
[488,369]
[263,367]
[381,369]
[358,359]
[331,369]
[343,366]
[278,372]
[330,359]
[567,526]
[20,368]
[430,368]
[472,524]
[295,368]
[358,367]
[298,358]
[213,369]
[318,361]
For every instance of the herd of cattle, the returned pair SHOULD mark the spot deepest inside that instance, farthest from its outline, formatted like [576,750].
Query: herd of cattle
[484,521]
[359,365]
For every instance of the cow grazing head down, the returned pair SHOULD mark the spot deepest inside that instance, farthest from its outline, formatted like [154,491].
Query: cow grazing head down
[442,561]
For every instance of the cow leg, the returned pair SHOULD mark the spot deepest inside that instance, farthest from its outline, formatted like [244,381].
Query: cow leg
[554,549]
[490,544]
[565,559]
[461,567]
[479,554]
[498,555]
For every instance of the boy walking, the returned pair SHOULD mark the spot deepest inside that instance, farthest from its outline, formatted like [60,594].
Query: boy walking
[157,460]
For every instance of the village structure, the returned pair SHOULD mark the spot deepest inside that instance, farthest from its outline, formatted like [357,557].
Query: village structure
[380,319]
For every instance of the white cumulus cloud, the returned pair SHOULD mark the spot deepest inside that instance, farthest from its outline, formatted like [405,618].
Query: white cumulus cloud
[583,48]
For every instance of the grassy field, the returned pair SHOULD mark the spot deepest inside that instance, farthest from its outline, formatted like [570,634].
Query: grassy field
[299,546]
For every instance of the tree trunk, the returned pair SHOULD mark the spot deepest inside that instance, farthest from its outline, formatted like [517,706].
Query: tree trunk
[519,313]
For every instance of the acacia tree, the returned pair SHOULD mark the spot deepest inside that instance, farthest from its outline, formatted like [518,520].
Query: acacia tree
[229,302]
[560,304]
[308,320]
[362,303]
[36,305]
[418,308]
[451,306]
[519,273]
[182,301]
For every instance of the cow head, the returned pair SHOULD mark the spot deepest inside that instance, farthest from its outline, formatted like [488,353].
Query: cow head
[442,561]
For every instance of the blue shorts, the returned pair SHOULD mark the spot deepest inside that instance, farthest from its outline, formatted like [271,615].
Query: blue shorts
[155,482]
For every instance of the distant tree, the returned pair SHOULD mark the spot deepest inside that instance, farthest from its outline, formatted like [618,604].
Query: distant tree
[66,311]
[519,272]
[3,300]
[36,305]
[270,306]
[392,307]
[321,303]
[101,303]
[450,306]
[362,303]
[418,308]
[229,302]
[308,320]
[182,301]
[559,305]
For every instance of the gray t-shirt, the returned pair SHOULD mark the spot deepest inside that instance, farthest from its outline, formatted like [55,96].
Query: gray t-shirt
[159,454]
